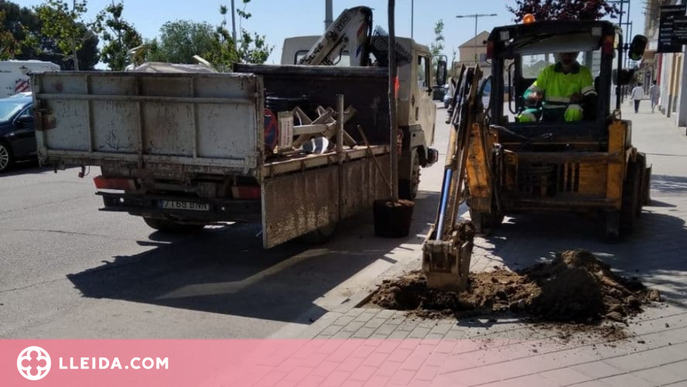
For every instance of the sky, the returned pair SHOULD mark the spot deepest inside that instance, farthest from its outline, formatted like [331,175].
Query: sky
[279,19]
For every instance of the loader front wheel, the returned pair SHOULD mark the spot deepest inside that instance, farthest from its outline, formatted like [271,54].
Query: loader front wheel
[631,200]
[169,226]
[484,221]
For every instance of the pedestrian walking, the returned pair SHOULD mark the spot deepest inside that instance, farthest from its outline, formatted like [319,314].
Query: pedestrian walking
[653,94]
[637,96]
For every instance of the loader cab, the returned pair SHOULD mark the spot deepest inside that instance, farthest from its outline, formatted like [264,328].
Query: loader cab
[520,52]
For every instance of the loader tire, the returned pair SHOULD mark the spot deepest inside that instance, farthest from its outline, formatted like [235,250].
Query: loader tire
[172,227]
[631,199]
[644,185]
[484,222]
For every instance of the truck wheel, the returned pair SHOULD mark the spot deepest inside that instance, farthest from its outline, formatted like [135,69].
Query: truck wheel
[164,225]
[408,189]
[6,157]
[631,199]
[320,236]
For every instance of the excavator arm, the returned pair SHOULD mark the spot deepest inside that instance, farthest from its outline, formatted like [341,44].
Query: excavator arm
[448,246]
[349,33]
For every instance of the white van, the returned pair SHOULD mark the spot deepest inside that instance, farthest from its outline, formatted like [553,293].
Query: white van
[14,77]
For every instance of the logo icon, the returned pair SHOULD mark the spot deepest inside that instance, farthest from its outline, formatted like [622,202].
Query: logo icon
[33,363]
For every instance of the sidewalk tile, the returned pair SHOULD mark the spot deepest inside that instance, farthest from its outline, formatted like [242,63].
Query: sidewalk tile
[389,369]
[399,335]
[271,379]
[375,322]
[376,359]
[363,333]
[353,326]
[402,377]
[350,364]
[427,373]
[312,381]
[377,381]
[597,369]
[298,374]
[363,373]
[325,369]
[419,333]
[626,381]
[667,374]
[336,378]
[363,351]
[564,377]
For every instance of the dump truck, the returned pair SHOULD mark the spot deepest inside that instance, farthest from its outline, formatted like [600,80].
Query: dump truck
[501,165]
[296,148]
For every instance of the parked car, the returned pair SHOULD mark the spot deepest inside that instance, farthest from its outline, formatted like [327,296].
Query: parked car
[17,135]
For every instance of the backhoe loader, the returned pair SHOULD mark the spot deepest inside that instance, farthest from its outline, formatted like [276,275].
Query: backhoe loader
[501,165]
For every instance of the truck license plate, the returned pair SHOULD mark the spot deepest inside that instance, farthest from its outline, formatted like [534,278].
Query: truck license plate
[186,206]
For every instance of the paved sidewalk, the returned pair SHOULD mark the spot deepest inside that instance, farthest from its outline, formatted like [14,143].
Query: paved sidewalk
[372,347]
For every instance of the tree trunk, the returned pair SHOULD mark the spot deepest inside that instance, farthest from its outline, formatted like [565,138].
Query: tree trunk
[75,56]
[392,101]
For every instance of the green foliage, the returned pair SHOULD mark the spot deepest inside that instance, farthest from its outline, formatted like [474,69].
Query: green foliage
[9,45]
[437,47]
[564,9]
[180,40]
[252,48]
[118,35]
[25,25]
[224,55]
[60,22]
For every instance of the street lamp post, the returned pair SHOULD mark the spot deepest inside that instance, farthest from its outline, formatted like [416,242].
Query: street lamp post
[476,16]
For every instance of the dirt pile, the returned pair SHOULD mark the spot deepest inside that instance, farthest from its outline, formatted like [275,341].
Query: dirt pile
[575,286]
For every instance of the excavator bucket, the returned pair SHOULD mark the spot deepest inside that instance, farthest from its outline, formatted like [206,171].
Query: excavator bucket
[447,249]
[446,263]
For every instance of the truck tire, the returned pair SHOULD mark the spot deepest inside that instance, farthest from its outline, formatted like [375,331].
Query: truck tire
[6,157]
[320,236]
[632,189]
[169,226]
[408,189]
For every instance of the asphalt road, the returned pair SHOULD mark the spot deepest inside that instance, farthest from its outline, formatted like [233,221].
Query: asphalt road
[70,271]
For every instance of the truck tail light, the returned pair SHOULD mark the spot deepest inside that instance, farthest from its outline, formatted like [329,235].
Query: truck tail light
[114,183]
[490,50]
[245,192]
[608,45]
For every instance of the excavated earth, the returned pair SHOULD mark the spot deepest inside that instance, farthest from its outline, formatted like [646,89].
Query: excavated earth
[574,287]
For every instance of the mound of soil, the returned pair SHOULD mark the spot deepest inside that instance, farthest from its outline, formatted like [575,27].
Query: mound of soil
[574,287]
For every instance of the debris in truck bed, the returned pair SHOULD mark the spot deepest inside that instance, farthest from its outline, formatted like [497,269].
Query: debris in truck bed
[574,287]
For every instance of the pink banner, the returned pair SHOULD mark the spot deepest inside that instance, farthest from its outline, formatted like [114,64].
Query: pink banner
[239,362]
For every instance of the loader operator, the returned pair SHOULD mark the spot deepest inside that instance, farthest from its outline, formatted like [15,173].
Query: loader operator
[563,89]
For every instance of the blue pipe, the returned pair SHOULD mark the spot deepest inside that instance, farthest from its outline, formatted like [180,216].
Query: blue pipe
[445,192]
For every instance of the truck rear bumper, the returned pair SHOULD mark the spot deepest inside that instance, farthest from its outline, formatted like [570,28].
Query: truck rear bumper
[214,210]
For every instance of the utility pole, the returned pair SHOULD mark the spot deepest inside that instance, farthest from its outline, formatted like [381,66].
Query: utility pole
[233,23]
[328,14]
[412,18]
[476,16]
[75,56]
